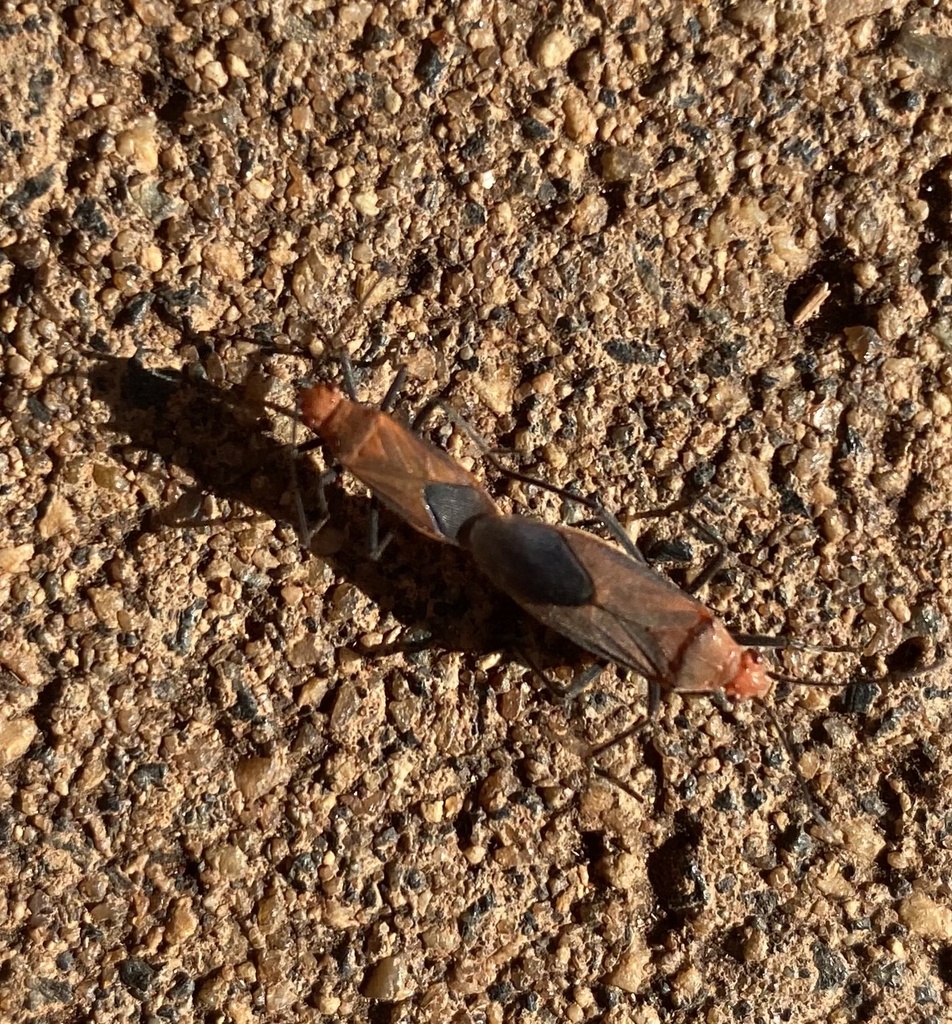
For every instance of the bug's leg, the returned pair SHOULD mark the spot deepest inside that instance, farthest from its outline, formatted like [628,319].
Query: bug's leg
[378,546]
[646,724]
[654,699]
[327,476]
[567,692]
[393,392]
[713,565]
[374,543]
[813,802]
[620,783]
[551,685]
[590,503]
[654,756]
[437,402]
[783,643]
[347,372]
[897,675]
[412,645]
[306,530]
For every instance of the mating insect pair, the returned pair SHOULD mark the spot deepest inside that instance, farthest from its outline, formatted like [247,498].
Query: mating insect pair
[607,601]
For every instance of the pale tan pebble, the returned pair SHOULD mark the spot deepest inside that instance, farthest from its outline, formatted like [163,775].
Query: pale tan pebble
[923,916]
[686,986]
[581,125]
[229,862]
[236,67]
[256,776]
[16,559]
[863,840]
[632,971]
[386,982]
[553,49]
[590,216]
[214,75]
[139,144]
[366,203]
[622,870]
[15,739]
[182,922]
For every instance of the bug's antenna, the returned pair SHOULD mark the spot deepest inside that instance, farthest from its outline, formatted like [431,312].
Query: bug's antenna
[820,684]
[783,643]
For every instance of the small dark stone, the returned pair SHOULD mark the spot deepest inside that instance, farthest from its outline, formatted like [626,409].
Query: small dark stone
[430,66]
[832,970]
[49,990]
[926,993]
[136,974]
[631,354]
[500,992]
[791,504]
[858,697]
[670,550]
[907,101]
[147,775]
[38,409]
[133,313]
[245,708]
[873,804]
[28,192]
[89,219]
[302,873]
[888,974]
[474,214]
[535,130]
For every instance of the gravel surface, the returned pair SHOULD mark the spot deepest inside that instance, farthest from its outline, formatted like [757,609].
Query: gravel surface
[650,251]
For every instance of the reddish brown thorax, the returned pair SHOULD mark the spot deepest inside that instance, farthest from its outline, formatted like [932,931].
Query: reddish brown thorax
[318,404]
[416,480]
[341,424]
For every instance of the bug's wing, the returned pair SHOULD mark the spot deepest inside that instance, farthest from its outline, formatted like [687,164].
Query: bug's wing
[413,478]
[584,588]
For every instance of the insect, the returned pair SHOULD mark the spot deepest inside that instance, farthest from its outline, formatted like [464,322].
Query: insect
[607,601]
[614,606]
[413,478]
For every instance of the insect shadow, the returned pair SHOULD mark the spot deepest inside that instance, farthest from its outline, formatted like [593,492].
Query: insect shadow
[224,442]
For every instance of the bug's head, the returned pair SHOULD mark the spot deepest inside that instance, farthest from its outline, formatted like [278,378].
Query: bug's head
[318,404]
[752,679]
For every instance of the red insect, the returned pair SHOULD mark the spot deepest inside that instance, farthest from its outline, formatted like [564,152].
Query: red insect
[607,601]
[614,606]
[410,476]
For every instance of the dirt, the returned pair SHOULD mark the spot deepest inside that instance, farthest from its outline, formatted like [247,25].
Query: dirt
[649,252]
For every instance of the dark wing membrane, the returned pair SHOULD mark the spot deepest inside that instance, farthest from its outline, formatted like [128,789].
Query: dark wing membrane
[605,636]
[452,506]
[530,561]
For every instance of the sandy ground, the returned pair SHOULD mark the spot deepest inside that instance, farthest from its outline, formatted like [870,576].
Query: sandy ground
[651,251]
